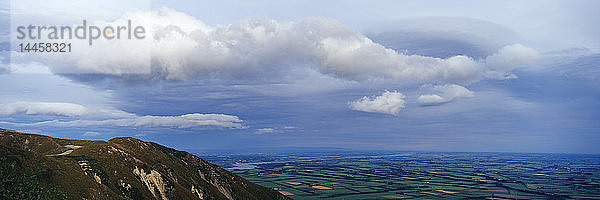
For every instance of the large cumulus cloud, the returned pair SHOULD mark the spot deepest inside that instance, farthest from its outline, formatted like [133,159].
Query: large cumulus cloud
[182,47]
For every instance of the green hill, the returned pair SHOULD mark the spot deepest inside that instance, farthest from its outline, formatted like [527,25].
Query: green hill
[43,167]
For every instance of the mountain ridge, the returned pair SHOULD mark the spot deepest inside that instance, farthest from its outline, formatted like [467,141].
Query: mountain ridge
[44,167]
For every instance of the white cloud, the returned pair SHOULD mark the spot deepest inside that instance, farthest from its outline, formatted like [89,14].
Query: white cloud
[512,56]
[449,92]
[109,117]
[91,134]
[281,129]
[431,99]
[509,57]
[181,121]
[388,103]
[183,47]
[267,130]
[43,108]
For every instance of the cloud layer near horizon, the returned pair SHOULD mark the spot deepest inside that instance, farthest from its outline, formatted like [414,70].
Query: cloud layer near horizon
[81,116]
[43,108]
[183,47]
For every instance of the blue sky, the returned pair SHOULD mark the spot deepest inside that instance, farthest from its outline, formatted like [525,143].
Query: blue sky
[506,76]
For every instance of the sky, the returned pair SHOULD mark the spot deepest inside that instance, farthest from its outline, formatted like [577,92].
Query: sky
[233,76]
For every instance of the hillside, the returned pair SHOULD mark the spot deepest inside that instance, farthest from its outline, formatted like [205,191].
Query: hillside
[42,167]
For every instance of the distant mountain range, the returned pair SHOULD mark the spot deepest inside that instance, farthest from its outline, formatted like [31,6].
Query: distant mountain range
[43,167]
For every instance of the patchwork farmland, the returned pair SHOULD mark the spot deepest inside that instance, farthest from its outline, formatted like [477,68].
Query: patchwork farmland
[415,175]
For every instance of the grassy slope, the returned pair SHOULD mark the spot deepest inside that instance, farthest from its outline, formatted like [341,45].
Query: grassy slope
[28,173]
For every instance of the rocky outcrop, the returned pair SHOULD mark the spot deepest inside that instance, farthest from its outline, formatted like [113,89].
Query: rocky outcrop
[153,182]
[198,192]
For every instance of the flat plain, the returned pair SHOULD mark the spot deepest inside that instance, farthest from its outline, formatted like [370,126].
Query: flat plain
[420,175]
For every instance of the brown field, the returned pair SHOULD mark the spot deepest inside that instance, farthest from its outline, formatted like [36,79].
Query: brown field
[533,187]
[321,187]
[286,193]
[277,175]
[293,183]
[431,193]
[447,192]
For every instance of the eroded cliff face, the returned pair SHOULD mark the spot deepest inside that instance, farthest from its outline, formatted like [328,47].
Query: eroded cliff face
[153,182]
[121,168]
